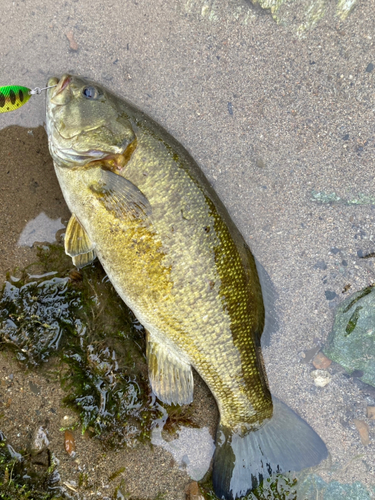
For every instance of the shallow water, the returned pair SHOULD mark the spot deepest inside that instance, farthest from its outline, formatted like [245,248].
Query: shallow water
[272,120]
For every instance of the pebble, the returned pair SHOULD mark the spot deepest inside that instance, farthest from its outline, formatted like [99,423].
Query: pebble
[69,443]
[363,430]
[321,378]
[370,412]
[321,362]
[68,421]
[73,44]
[39,440]
[192,492]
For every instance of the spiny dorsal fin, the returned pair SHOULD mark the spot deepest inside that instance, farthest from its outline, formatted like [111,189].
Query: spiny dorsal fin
[171,378]
[77,243]
[121,196]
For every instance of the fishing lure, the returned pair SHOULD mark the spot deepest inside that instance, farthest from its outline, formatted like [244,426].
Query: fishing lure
[14,96]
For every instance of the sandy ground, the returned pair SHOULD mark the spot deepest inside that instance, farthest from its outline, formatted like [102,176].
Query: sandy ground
[270,118]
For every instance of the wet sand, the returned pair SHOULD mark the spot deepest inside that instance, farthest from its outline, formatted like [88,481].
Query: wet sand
[271,119]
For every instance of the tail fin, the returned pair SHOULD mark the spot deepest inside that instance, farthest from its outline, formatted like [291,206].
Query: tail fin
[284,443]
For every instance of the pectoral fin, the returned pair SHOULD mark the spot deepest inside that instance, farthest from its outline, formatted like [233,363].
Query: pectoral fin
[77,243]
[121,196]
[171,378]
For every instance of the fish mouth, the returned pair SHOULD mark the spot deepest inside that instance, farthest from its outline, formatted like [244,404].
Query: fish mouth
[78,158]
[61,85]
[52,81]
[56,95]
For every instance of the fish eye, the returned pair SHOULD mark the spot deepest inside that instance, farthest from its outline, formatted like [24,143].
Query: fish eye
[90,92]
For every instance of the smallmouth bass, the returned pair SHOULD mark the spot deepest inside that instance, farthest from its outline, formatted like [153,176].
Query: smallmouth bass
[141,204]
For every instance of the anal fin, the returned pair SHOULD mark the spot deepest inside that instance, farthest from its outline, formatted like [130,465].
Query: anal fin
[171,378]
[84,259]
[78,244]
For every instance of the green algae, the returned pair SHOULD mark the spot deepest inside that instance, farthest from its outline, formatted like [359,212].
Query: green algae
[78,319]
[352,323]
[34,313]
[22,477]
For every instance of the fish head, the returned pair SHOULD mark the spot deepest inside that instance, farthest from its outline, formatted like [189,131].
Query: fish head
[84,123]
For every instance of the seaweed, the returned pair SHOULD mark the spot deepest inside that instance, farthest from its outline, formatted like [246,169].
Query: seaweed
[23,477]
[35,311]
[352,323]
[77,318]
[178,416]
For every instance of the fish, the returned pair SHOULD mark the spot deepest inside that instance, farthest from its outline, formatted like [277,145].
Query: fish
[13,97]
[143,207]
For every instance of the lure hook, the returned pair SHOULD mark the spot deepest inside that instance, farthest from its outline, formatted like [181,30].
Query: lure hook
[14,96]
[38,90]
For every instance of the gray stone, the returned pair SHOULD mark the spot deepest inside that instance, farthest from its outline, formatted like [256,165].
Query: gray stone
[314,487]
[39,440]
[351,342]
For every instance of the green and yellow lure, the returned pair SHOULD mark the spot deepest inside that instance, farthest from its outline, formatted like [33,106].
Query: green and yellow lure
[14,96]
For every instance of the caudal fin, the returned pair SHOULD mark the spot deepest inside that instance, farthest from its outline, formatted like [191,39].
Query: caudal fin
[284,443]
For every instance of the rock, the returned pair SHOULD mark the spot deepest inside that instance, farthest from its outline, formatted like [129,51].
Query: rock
[314,486]
[351,342]
[370,412]
[68,421]
[72,43]
[302,15]
[321,362]
[69,443]
[330,295]
[363,430]
[192,492]
[321,377]
[309,354]
[39,441]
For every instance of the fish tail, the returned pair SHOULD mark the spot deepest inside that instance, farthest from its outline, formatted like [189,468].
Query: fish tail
[284,443]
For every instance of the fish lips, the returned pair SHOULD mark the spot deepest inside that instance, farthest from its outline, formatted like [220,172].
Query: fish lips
[61,93]
[78,158]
